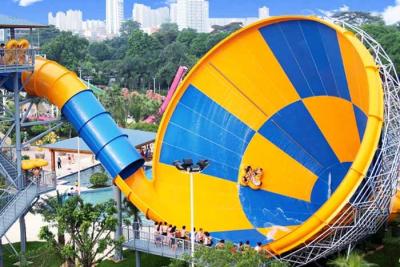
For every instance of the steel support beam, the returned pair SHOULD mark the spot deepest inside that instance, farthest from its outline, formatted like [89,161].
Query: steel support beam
[118,230]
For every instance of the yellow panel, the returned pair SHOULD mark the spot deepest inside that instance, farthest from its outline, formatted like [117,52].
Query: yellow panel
[250,65]
[336,120]
[225,94]
[277,232]
[355,73]
[282,174]
[214,198]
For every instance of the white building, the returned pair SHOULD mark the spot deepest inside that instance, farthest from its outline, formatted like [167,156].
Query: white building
[193,14]
[94,30]
[2,36]
[114,16]
[150,18]
[173,12]
[263,12]
[69,21]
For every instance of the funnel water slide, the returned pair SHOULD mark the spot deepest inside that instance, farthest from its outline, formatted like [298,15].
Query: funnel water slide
[299,97]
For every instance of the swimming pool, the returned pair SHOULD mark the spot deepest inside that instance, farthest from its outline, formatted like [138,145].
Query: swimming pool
[97,196]
[86,173]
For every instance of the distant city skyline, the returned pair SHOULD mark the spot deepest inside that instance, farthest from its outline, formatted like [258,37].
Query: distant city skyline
[193,14]
[37,10]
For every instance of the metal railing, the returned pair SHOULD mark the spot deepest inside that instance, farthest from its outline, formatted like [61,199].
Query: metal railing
[17,59]
[20,202]
[145,239]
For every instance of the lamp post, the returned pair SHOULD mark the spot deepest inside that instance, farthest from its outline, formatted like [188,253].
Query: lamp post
[187,166]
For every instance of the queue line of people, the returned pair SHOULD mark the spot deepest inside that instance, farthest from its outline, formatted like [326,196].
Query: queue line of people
[168,234]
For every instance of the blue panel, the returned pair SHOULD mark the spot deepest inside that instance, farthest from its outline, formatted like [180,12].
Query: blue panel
[277,42]
[79,116]
[242,236]
[309,53]
[332,49]
[294,35]
[102,135]
[265,209]
[202,105]
[294,131]
[361,119]
[337,173]
[97,132]
[201,129]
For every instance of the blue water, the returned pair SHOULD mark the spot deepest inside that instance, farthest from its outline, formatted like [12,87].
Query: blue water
[86,173]
[98,195]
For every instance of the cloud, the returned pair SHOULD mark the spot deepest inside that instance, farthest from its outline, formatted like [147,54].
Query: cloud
[25,3]
[391,14]
[330,13]
[344,8]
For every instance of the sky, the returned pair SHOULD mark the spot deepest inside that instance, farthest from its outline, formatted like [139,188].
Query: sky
[37,10]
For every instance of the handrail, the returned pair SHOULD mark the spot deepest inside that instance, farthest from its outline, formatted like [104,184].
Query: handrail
[157,243]
[17,59]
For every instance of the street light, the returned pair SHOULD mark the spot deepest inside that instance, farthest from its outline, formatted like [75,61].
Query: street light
[187,166]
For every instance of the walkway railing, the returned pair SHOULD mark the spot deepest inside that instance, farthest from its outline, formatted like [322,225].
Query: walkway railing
[12,60]
[17,204]
[145,239]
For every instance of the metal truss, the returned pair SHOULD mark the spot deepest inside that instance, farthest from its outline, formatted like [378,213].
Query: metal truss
[369,208]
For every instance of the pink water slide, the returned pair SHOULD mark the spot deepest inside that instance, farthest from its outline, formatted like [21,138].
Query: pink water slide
[175,83]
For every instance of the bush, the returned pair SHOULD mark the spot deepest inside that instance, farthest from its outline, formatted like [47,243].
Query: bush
[99,179]
[25,157]
[143,126]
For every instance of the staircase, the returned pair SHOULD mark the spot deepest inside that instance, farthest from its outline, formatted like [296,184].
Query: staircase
[8,169]
[15,205]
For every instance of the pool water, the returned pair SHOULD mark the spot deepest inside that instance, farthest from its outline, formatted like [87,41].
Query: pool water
[97,196]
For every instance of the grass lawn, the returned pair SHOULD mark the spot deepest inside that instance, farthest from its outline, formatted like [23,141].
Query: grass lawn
[37,254]
[148,260]
[388,257]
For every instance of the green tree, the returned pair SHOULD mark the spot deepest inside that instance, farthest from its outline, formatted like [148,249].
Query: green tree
[67,49]
[99,179]
[114,102]
[358,18]
[133,212]
[48,207]
[100,51]
[128,27]
[353,260]
[89,227]
[167,33]
[227,257]
[388,37]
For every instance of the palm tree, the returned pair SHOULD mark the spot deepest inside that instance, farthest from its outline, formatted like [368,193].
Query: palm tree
[353,260]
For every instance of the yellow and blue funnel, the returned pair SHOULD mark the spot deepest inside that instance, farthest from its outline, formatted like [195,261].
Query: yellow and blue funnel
[297,96]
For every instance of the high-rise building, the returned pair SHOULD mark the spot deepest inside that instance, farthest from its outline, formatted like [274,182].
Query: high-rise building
[94,29]
[173,12]
[263,12]
[69,21]
[150,18]
[114,16]
[2,36]
[193,14]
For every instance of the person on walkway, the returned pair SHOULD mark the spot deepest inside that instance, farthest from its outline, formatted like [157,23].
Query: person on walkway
[2,47]
[258,247]
[59,163]
[220,244]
